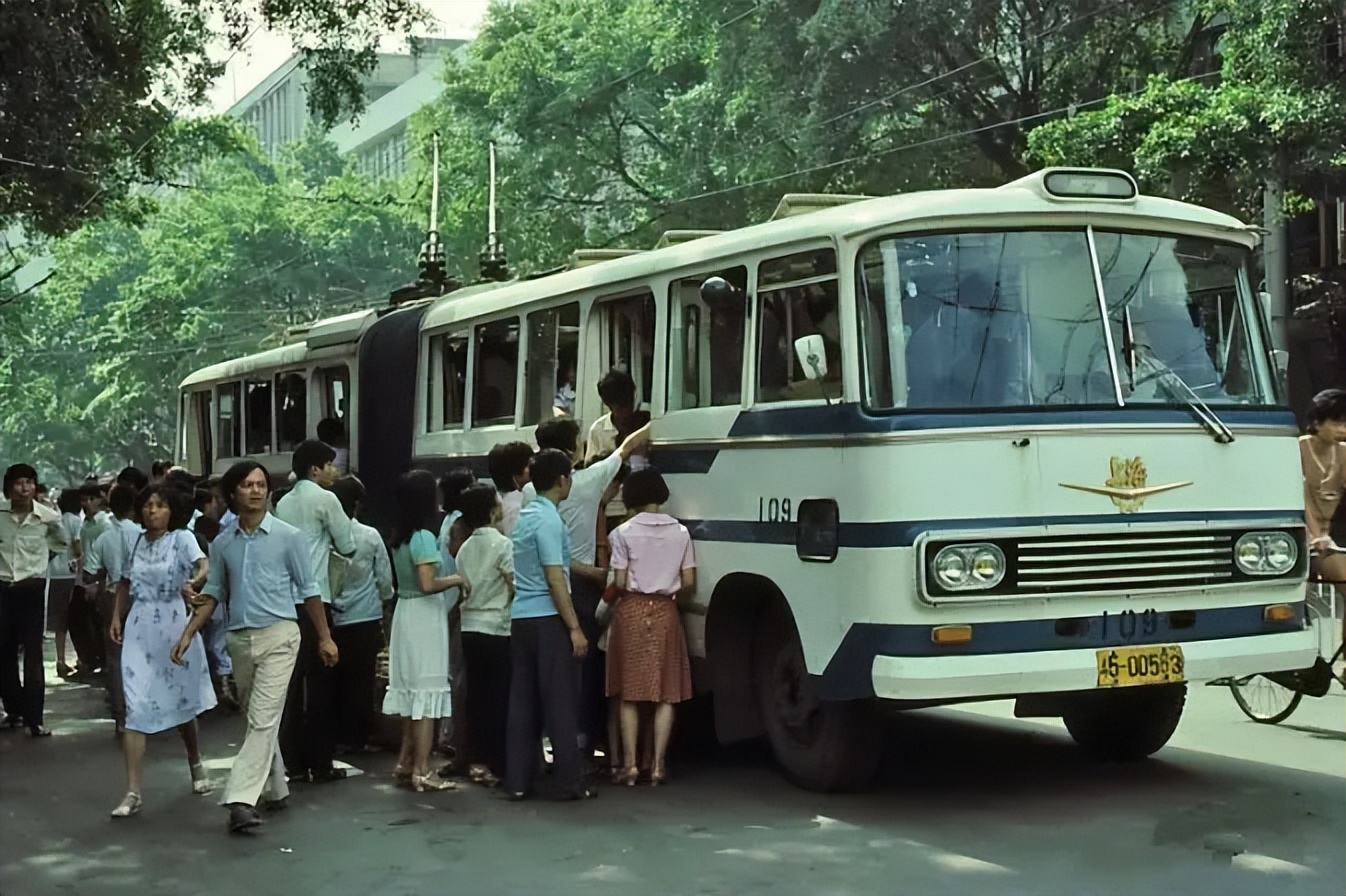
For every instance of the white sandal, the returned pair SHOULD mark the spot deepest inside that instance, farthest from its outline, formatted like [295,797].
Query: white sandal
[129,806]
[200,780]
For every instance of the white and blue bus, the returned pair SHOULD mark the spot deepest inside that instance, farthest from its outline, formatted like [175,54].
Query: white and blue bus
[933,448]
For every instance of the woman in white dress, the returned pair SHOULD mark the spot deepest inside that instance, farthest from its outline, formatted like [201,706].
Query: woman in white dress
[418,647]
[160,694]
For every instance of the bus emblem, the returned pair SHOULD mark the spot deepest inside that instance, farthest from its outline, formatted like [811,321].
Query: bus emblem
[1126,486]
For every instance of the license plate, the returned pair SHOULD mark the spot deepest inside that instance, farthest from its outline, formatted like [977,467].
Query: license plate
[1123,667]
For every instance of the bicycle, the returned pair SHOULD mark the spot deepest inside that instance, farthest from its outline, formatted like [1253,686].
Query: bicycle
[1271,697]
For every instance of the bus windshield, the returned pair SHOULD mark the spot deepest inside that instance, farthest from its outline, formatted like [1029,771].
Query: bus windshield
[1013,319]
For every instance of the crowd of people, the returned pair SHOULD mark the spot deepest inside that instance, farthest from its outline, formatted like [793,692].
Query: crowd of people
[523,609]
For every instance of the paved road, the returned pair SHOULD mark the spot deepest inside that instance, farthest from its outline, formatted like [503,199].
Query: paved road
[971,802]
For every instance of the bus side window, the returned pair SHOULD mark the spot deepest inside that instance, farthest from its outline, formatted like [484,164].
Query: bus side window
[553,351]
[705,350]
[200,449]
[496,380]
[446,381]
[291,410]
[257,417]
[336,388]
[628,340]
[230,421]
[797,297]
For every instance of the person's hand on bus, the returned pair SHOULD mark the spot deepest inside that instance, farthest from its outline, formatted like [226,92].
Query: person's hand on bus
[635,443]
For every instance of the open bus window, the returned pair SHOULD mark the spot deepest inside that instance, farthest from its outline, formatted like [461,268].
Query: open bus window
[230,420]
[705,345]
[801,301]
[336,388]
[291,410]
[257,435]
[496,377]
[553,351]
[628,340]
[446,382]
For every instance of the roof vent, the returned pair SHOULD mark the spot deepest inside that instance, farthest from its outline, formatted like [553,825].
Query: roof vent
[792,204]
[582,258]
[678,237]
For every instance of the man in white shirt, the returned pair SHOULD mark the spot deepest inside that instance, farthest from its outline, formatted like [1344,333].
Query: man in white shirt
[308,729]
[61,584]
[579,511]
[104,562]
[85,620]
[29,534]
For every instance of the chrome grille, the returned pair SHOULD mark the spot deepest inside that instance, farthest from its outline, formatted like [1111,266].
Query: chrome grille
[1124,562]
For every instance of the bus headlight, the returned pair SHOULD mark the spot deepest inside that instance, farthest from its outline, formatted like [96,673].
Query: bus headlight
[1265,553]
[969,567]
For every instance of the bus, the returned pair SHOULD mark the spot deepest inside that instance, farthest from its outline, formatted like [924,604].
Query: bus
[1025,442]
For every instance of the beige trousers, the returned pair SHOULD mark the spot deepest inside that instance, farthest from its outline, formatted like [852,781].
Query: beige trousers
[263,663]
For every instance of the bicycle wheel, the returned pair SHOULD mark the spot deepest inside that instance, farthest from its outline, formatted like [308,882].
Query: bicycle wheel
[1265,701]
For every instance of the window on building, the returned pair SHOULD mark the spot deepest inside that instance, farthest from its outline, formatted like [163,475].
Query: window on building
[705,349]
[797,297]
[553,350]
[495,380]
[291,410]
[230,420]
[257,417]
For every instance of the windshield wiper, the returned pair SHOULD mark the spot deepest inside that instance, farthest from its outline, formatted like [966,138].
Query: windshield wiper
[1177,387]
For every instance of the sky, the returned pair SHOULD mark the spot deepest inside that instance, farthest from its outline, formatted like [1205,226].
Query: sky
[265,51]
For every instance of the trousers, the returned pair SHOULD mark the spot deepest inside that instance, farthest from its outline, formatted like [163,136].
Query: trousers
[308,729]
[358,645]
[264,660]
[22,612]
[544,678]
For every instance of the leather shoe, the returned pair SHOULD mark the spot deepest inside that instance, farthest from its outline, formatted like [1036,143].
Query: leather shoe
[242,818]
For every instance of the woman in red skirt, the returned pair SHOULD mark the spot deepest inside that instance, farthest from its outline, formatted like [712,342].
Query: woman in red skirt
[647,652]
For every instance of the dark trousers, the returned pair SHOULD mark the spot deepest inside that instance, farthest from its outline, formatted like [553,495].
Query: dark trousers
[592,707]
[358,645]
[22,606]
[488,667]
[544,676]
[82,627]
[112,653]
[308,726]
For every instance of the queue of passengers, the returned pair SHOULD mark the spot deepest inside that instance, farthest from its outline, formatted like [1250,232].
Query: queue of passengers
[188,594]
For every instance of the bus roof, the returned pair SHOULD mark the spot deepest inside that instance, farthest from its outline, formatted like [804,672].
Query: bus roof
[1024,199]
[284,356]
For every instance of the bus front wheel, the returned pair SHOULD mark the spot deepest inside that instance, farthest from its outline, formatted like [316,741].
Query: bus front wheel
[1125,724]
[822,745]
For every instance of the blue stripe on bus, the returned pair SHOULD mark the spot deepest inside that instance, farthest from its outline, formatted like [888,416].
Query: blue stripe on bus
[851,419]
[903,533]
[848,674]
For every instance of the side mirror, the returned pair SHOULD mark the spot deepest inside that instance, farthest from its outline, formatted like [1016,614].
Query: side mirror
[721,296]
[812,355]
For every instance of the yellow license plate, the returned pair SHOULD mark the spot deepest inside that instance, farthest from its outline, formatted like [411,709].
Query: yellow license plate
[1122,667]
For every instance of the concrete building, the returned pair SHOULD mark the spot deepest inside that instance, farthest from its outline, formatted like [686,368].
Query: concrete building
[278,107]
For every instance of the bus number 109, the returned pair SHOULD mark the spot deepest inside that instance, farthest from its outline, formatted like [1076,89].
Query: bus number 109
[774,510]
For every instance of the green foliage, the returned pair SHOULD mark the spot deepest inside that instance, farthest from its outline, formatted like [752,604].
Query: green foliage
[87,89]
[1274,106]
[218,269]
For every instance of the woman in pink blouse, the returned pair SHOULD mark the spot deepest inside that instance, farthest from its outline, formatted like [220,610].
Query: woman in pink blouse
[647,652]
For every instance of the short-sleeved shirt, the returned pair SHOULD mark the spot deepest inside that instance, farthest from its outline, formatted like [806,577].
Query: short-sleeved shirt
[259,576]
[487,558]
[111,550]
[510,505]
[369,579]
[447,564]
[88,534]
[540,539]
[654,549]
[317,513]
[579,511]
[59,568]
[421,549]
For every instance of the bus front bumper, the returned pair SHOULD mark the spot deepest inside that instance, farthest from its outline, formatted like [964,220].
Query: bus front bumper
[1010,674]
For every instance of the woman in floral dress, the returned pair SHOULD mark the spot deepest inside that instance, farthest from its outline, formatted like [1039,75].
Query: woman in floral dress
[160,694]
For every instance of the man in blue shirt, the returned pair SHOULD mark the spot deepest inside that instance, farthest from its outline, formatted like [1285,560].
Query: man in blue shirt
[260,570]
[546,641]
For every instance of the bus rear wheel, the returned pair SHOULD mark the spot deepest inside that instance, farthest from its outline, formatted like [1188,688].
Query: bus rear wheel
[823,745]
[1126,724]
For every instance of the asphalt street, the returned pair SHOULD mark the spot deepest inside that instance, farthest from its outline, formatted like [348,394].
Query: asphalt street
[970,802]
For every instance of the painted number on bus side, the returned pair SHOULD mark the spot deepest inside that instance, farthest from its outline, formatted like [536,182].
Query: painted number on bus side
[774,510]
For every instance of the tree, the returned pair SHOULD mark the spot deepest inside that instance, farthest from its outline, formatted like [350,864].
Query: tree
[1270,108]
[87,89]
[244,250]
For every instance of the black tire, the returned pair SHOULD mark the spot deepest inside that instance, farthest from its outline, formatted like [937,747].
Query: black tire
[1265,701]
[823,745]
[1126,724]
